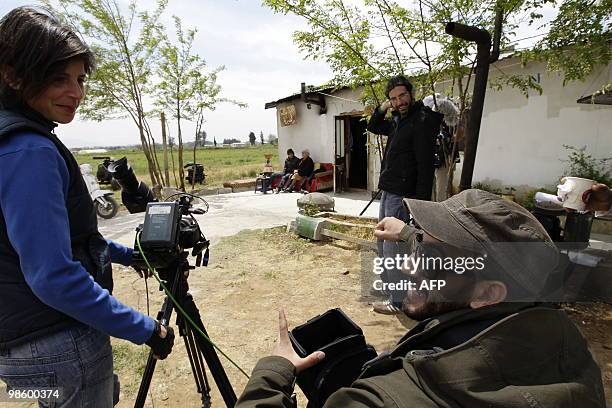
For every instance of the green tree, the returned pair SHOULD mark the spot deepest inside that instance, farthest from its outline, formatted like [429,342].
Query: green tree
[185,88]
[367,44]
[272,139]
[579,37]
[126,59]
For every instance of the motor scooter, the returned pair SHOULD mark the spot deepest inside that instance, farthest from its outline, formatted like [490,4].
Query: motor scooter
[104,202]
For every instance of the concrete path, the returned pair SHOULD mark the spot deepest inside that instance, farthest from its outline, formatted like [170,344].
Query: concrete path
[232,213]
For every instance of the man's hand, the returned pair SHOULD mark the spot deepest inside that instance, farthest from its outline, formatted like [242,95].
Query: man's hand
[598,198]
[161,341]
[385,106]
[283,347]
[389,229]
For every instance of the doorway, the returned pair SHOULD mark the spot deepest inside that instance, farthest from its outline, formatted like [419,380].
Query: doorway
[351,153]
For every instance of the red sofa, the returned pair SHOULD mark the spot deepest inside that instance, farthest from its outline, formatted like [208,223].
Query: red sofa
[322,179]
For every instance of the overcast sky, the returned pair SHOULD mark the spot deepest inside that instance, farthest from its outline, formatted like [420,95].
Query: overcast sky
[261,65]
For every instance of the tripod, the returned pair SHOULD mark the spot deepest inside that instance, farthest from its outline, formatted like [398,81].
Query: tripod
[198,348]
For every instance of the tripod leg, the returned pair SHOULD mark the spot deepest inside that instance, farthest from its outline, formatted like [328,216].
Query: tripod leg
[197,363]
[164,317]
[210,355]
[371,201]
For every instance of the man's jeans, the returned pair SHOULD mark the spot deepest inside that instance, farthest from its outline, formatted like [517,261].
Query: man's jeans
[77,361]
[391,205]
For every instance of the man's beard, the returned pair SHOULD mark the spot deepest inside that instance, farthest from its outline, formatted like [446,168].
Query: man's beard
[423,304]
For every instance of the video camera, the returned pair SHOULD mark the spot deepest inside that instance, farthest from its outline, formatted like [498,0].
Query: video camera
[169,228]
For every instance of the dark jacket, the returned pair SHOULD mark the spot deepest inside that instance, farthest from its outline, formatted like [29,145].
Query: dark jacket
[408,164]
[498,356]
[291,164]
[22,315]
[305,167]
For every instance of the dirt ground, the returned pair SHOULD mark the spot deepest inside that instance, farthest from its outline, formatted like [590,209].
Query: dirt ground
[253,274]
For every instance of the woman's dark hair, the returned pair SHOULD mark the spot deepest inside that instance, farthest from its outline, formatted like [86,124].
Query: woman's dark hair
[34,47]
[399,80]
[290,151]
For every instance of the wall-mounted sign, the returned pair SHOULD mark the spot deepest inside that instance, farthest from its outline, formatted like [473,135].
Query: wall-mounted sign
[288,116]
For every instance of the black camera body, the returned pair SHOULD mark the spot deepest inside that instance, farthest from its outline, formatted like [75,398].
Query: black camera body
[168,230]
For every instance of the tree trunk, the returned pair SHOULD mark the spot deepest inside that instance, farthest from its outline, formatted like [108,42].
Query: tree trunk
[163,124]
[195,146]
[173,166]
[147,153]
[180,156]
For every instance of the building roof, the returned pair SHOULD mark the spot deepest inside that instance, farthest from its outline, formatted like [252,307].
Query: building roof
[601,97]
[311,90]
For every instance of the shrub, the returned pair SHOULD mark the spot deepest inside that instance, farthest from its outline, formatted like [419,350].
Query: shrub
[586,166]
[486,187]
[311,209]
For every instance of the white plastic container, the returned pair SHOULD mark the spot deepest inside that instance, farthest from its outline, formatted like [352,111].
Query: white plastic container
[570,191]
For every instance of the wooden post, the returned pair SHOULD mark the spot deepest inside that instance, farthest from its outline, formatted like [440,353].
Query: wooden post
[163,124]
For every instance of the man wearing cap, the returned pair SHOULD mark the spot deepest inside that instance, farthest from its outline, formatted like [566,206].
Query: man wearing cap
[483,342]
[407,169]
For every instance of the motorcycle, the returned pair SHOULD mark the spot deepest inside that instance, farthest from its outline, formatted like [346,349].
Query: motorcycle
[104,202]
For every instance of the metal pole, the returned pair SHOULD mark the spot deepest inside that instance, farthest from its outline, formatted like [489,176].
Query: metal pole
[483,58]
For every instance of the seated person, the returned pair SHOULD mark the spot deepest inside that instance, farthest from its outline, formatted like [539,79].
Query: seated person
[291,164]
[303,171]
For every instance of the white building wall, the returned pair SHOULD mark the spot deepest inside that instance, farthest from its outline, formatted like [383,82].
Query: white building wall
[521,139]
[313,131]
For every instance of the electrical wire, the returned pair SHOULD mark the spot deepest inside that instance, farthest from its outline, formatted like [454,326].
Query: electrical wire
[191,195]
[181,310]
[337,97]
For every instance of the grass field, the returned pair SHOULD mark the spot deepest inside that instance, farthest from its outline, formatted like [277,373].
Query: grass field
[221,164]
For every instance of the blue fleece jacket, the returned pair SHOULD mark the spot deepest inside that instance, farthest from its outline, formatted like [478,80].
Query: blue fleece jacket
[33,190]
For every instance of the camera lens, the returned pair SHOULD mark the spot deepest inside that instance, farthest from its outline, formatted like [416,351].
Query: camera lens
[123,173]
[134,194]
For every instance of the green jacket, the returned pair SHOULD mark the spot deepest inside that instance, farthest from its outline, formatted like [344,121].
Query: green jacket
[530,357]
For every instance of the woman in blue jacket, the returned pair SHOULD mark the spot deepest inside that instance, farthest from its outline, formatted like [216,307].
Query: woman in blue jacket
[56,307]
